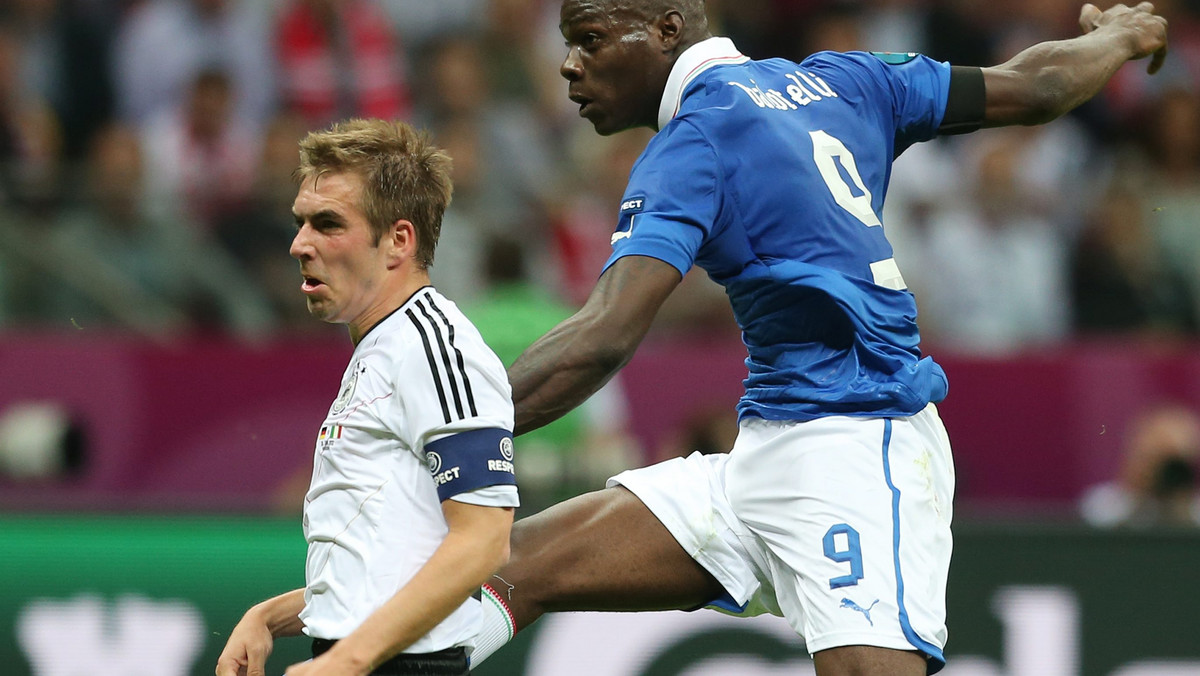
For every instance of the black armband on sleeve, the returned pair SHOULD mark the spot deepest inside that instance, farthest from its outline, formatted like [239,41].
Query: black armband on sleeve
[966,101]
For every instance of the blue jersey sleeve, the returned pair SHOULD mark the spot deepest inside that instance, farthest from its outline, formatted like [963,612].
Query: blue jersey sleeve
[672,200]
[915,86]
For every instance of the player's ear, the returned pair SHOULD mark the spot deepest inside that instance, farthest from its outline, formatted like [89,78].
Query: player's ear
[669,29]
[402,242]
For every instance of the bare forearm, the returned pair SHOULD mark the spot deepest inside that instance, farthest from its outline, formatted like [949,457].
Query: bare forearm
[460,565]
[560,371]
[575,359]
[251,641]
[1049,79]
[281,614]
[1061,76]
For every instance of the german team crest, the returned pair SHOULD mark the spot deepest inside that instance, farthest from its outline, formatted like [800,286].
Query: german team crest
[347,392]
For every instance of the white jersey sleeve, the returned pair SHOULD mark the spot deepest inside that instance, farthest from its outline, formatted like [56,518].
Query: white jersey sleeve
[455,410]
[423,414]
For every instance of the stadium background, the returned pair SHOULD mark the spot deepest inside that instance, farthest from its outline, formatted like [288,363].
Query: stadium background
[160,381]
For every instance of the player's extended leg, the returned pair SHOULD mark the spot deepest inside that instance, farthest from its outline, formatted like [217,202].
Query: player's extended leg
[599,551]
[610,550]
[861,660]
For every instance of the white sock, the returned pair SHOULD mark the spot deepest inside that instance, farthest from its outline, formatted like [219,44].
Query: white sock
[496,628]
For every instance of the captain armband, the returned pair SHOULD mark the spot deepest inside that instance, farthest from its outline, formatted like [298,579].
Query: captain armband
[469,460]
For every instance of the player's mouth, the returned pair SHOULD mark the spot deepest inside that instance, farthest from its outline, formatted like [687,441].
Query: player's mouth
[311,284]
[583,101]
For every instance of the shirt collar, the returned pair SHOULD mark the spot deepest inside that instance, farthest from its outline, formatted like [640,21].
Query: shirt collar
[693,61]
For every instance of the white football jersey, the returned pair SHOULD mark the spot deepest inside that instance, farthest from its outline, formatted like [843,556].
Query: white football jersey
[424,414]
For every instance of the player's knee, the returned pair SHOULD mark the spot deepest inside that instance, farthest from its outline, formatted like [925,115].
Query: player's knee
[522,548]
[525,568]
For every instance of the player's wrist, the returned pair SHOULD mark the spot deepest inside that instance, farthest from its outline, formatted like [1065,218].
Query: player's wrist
[274,616]
[257,616]
[359,659]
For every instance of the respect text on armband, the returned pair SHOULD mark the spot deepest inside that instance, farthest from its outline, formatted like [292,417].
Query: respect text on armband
[501,466]
[446,476]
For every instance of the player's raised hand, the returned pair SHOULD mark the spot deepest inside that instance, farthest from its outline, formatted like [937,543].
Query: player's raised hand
[247,649]
[1147,31]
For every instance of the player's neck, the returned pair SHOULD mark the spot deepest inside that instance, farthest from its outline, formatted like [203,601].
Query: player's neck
[398,289]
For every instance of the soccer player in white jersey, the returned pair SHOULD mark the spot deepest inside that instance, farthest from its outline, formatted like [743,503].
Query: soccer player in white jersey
[833,507]
[413,488]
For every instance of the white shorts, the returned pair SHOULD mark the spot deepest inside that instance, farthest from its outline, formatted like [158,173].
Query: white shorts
[841,525]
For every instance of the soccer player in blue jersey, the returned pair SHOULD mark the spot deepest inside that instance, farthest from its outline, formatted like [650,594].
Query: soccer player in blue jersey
[833,508]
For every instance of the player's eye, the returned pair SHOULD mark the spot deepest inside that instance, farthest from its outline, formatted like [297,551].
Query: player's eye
[588,41]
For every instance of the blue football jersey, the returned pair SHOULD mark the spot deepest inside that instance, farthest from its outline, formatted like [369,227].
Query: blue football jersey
[771,176]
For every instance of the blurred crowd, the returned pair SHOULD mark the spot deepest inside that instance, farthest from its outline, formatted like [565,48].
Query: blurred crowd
[147,146]
[147,150]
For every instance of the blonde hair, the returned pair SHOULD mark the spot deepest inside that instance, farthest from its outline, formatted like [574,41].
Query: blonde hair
[404,175]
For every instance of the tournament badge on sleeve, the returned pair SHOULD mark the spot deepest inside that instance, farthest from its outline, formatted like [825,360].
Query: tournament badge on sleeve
[629,209]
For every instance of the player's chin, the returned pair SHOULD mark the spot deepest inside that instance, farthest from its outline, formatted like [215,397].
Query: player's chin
[607,127]
[320,309]
[603,124]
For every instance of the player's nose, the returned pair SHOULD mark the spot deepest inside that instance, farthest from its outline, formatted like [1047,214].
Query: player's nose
[301,247]
[571,68]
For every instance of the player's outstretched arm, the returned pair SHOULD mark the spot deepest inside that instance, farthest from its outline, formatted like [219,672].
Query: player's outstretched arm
[576,358]
[476,545]
[1049,79]
[251,641]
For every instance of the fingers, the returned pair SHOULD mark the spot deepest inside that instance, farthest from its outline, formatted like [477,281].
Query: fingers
[1088,17]
[253,664]
[1159,55]
[229,667]
[1149,28]
[1156,61]
[256,661]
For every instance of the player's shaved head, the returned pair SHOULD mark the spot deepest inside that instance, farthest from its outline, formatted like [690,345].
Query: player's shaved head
[691,11]
[694,17]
